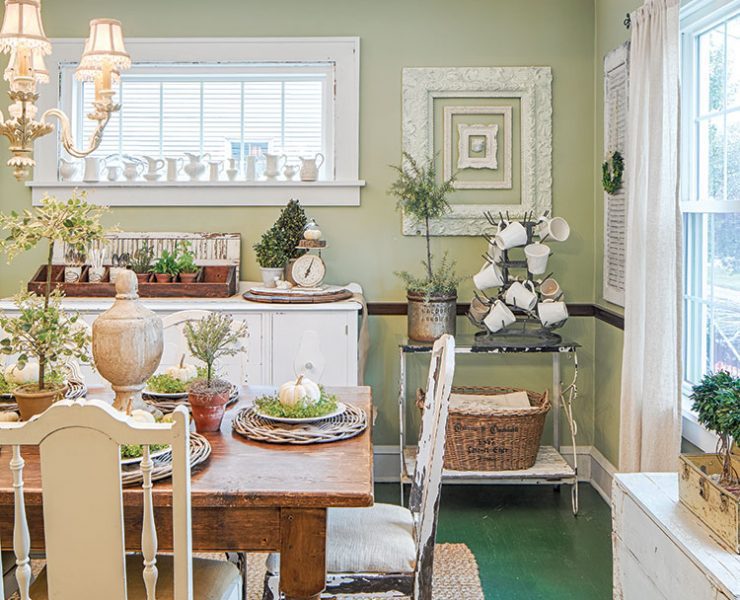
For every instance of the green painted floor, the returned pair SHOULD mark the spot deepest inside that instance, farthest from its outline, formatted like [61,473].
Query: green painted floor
[526,541]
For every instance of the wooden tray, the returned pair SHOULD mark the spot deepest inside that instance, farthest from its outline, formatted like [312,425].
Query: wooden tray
[295,296]
[215,281]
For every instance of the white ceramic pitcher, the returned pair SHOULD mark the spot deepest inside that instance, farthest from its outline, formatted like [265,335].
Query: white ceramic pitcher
[196,165]
[174,165]
[92,169]
[310,167]
[67,169]
[154,166]
[274,164]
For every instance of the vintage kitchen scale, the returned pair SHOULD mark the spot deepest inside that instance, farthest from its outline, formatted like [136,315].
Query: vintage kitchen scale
[307,273]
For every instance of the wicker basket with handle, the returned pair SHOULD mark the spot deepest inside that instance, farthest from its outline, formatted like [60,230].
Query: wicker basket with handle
[489,438]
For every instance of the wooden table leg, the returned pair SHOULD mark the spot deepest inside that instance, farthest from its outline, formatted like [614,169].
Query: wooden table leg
[302,553]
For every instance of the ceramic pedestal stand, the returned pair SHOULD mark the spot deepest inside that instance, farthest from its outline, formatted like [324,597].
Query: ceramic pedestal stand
[127,344]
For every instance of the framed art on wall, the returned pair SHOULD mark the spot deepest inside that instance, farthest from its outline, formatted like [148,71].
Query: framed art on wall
[489,126]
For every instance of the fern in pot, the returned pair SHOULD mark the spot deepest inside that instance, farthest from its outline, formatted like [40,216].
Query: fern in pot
[432,297]
[44,336]
[271,255]
[210,339]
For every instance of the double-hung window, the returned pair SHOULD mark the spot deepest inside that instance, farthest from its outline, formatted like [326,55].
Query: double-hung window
[218,109]
[710,192]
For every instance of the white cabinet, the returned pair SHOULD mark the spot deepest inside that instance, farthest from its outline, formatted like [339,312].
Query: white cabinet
[661,551]
[319,340]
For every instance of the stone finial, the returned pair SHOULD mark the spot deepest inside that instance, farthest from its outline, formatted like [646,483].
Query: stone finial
[127,286]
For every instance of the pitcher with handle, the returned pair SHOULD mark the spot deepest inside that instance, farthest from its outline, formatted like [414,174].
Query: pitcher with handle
[154,166]
[196,166]
[274,164]
[92,169]
[174,166]
[67,169]
[310,167]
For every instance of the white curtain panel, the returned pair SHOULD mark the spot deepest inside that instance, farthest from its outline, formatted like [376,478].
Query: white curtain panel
[651,366]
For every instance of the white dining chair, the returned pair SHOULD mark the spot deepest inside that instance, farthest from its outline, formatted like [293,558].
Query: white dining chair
[231,368]
[388,549]
[79,449]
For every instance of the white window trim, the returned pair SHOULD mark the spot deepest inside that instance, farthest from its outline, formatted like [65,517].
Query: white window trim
[344,190]
[696,15]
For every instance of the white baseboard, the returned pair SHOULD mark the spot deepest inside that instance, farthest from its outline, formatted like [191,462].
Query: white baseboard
[593,467]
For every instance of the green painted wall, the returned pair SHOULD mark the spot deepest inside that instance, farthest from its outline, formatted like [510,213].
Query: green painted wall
[367,245]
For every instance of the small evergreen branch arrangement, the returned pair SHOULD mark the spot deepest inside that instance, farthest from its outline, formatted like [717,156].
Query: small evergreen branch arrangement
[424,199]
[166,264]
[291,223]
[270,250]
[612,170]
[186,259]
[213,337]
[716,400]
[141,261]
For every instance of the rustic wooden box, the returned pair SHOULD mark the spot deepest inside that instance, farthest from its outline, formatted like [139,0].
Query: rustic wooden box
[212,281]
[717,508]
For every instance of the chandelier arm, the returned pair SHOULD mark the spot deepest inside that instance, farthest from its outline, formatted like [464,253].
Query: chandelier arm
[66,132]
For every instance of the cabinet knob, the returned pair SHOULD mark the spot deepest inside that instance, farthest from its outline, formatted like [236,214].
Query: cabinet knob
[309,366]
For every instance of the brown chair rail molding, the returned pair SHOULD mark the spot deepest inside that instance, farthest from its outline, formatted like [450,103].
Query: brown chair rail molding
[575,310]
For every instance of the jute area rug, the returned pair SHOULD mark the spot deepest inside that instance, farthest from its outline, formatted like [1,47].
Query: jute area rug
[456,575]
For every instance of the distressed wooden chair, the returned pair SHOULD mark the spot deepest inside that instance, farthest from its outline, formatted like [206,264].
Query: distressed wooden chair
[231,368]
[79,448]
[387,549]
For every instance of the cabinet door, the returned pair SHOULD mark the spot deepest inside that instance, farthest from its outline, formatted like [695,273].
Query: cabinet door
[315,344]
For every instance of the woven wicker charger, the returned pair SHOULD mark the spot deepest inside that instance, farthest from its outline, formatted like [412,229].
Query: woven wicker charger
[167,405]
[200,450]
[350,423]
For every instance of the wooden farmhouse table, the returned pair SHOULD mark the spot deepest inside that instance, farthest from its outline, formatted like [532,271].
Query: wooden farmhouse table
[247,496]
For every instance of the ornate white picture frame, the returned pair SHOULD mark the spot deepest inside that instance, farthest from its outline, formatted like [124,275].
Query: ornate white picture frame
[505,182]
[470,135]
[533,87]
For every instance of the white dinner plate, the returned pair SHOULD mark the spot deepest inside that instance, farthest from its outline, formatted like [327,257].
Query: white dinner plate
[153,394]
[341,407]
[153,455]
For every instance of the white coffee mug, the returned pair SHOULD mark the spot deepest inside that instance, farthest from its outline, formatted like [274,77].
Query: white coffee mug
[552,313]
[549,289]
[499,317]
[495,253]
[478,309]
[555,228]
[537,255]
[513,235]
[521,295]
[489,276]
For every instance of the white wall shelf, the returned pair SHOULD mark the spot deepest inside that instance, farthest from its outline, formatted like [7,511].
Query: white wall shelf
[207,193]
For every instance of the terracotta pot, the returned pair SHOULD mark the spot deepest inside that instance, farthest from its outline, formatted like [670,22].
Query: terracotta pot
[430,318]
[33,402]
[188,277]
[208,405]
[142,277]
[163,277]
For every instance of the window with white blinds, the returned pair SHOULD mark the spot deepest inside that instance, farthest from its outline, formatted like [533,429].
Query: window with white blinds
[225,111]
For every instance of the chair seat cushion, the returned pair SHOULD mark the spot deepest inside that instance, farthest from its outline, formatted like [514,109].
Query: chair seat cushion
[212,579]
[377,539]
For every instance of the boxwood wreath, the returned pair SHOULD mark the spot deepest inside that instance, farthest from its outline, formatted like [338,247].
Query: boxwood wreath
[612,170]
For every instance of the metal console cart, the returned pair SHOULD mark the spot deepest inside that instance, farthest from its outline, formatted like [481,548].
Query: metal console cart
[551,468]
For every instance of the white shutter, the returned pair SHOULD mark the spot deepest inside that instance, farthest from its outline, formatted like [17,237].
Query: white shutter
[616,94]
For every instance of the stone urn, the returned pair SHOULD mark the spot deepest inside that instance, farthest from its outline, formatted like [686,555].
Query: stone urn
[127,344]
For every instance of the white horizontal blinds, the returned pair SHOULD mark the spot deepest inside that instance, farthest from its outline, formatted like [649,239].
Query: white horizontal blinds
[223,114]
[616,89]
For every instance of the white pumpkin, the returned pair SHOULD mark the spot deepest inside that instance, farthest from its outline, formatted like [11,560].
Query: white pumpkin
[182,372]
[142,416]
[302,389]
[312,234]
[9,416]
[28,374]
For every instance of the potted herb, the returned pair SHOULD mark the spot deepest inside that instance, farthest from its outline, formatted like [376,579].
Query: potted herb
[186,263]
[432,298]
[165,268]
[43,330]
[271,255]
[141,262]
[209,339]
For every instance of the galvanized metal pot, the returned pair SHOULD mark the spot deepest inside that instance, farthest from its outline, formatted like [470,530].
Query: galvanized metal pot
[429,318]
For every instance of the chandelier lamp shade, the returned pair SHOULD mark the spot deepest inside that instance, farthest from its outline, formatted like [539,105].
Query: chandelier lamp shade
[22,37]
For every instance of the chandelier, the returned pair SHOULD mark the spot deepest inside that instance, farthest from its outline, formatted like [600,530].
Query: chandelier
[22,37]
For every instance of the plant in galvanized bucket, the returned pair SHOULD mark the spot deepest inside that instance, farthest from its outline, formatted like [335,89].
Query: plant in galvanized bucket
[210,339]
[432,297]
[43,330]
[716,400]
[271,255]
